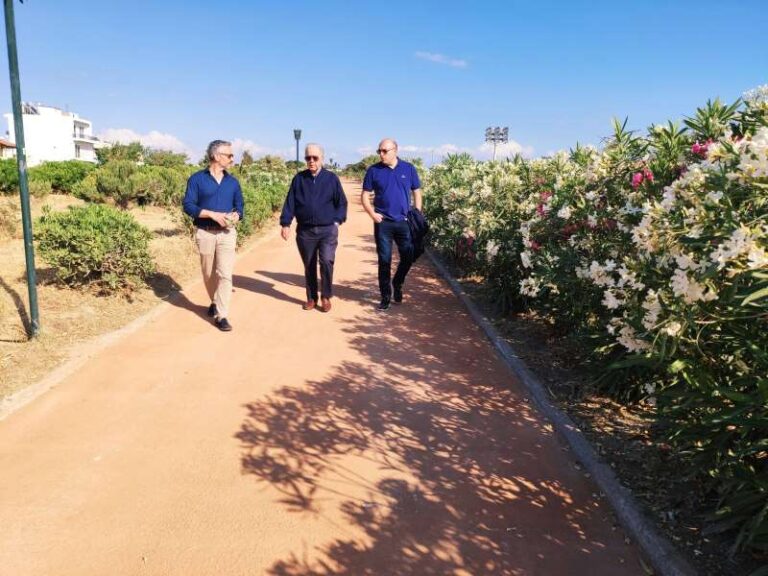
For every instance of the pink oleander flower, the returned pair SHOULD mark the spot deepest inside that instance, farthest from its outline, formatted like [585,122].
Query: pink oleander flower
[637,179]
[535,245]
[540,210]
[546,195]
[647,174]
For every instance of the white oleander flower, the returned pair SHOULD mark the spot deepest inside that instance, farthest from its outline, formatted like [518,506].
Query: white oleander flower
[491,250]
[689,289]
[652,307]
[610,300]
[530,286]
[673,328]
[628,338]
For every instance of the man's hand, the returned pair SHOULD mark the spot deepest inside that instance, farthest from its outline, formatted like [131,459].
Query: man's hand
[219,217]
[285,232]
[365,200]
[234,217]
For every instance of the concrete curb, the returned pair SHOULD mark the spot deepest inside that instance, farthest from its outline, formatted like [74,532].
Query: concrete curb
[83,352]
[666,560]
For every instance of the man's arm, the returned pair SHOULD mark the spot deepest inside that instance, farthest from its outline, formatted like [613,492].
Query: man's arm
[286,216]
[365,197]
[340,202]
[365,200]
[417,199]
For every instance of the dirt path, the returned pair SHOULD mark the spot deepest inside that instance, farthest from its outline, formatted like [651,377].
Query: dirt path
[301,443]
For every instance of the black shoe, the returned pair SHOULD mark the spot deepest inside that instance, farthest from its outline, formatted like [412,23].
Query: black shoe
[397,296]
[223,325]
[383,305]
[212,310]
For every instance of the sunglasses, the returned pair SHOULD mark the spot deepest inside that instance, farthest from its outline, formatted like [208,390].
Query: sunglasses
[230,156]
[384,150]
[308,158]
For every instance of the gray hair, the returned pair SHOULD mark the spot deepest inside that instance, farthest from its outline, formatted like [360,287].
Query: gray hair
[314,145]
[213,147]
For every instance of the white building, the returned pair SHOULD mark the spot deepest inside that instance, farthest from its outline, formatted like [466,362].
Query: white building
[53,134]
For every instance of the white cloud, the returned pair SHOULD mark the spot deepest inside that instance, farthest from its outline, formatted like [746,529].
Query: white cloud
[483,152]
[153,139]
[239,146]
[441,59]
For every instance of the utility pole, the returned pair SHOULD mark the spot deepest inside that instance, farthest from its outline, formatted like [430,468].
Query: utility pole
[21,161]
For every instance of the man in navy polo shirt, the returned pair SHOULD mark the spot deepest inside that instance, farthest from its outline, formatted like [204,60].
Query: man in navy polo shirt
[317,201]
[215,201]
[391,181]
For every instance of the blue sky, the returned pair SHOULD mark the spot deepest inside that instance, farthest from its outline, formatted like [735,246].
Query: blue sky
[434,75]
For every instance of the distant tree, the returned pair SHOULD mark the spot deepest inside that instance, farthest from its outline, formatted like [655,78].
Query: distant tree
[165,158]
[270,163]
[246,159]
[133,152]
[293,165]
[357,170]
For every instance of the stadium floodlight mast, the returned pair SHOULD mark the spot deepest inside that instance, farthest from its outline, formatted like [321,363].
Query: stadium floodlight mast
[297,135]
[496,136]
[21,162]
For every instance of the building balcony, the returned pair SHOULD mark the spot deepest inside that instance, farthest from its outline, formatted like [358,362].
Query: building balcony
[84,138]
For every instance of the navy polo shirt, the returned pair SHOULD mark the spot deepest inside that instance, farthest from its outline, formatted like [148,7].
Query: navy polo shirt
[204,193]
[392,188]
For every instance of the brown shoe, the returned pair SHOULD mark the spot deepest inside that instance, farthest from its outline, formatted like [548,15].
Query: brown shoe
[309,305]
[325,304]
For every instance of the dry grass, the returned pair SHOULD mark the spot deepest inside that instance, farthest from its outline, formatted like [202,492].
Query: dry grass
[70,317]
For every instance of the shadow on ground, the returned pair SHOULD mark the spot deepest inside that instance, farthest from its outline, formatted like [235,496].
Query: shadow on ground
[459,484]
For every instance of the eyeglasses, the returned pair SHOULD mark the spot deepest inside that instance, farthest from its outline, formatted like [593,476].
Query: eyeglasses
[230,156]
[384,150]
[308,158]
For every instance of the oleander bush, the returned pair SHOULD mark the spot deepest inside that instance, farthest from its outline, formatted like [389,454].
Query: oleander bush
[97,246]
[654,250]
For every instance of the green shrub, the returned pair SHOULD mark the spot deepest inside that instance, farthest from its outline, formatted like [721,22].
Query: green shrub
[113,180]
[87,189]
[9,176]
[159,185]
[63,176]
[95,245]
[40,188]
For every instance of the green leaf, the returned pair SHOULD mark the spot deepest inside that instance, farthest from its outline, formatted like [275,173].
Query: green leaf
[762,293]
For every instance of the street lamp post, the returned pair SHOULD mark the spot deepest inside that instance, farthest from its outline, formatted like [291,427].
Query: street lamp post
[297,135]
[21,161]
[496,136]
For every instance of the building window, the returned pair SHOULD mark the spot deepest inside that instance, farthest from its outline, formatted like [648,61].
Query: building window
[77,150]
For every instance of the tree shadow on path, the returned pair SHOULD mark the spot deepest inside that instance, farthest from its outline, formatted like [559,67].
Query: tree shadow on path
[429,455]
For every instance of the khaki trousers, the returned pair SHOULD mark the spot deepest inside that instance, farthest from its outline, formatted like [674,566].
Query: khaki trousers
[217,260]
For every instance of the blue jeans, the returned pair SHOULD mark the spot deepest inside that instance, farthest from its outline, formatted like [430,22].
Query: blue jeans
[385,232]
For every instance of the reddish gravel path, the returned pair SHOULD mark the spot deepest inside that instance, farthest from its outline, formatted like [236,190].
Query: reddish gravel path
[301,443]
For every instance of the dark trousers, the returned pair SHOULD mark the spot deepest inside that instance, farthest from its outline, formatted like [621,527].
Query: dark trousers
[318,242]
[385,232]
